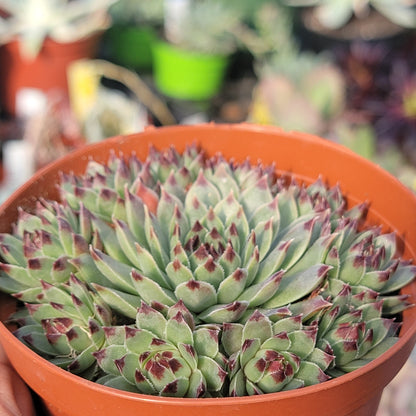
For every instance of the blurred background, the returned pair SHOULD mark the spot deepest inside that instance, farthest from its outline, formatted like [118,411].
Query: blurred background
[74,72]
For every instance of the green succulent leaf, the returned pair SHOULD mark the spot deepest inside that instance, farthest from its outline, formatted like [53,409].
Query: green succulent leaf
[178,331]
[196,295]
[116,272]
[224,313]
[122,302]
[150,291]
[232,286]
[298,285]
[151,320]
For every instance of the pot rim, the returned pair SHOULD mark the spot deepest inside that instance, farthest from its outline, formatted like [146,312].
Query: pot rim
[404,339]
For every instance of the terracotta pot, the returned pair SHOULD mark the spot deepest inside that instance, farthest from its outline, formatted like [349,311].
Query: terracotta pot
[357,393]
[46,72]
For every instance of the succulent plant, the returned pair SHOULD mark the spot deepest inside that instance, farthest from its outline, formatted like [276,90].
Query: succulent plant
[396,116]
[70,331]
[266,30]
[164,355]
[203,26]
[137,12]
[303,80]
[363,66]
[195,276]
[381,93]
[335,14]
[266,357]
[31,21]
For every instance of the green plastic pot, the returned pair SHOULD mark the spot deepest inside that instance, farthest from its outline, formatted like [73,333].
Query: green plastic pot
[187,75]
[131,46]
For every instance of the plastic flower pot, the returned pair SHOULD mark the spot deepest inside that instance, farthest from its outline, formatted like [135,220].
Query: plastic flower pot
[131,46]
[306,157]
[46,72]
[187,75]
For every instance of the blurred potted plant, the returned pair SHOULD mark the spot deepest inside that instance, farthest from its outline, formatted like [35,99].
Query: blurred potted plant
[191,62]
[352,19]
[40,38]
[382,90]
[307,93]
[134,28]
[295,90]
[266,31]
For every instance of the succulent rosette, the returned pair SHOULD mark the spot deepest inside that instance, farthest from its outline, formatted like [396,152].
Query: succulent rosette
[41,247]
[271,283]
[267,357]
[214,235]
[164,355]
[67,327]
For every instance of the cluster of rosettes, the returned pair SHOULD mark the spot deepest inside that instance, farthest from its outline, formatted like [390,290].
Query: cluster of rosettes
[192,276]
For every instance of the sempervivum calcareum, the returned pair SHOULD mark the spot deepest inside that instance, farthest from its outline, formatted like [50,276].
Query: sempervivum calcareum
[199,277]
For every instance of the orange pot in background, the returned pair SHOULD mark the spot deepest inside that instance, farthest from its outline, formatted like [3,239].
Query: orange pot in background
[354,394]
[46,72]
